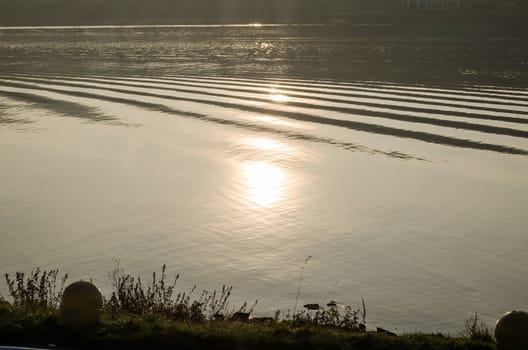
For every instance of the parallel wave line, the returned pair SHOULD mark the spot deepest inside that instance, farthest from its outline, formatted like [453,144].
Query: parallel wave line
[244,125]
[349,111]
[363,87]
[357,92]
[464,110]
[353,125]
[468,89]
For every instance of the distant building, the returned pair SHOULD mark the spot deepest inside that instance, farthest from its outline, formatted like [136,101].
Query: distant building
[432,4]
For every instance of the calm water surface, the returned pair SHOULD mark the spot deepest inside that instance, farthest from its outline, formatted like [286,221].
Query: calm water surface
[233,153]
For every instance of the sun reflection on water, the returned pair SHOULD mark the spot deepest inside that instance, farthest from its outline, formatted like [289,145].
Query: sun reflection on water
[277,95]
[279,98]
[277,121]
[265,182]
[268,144]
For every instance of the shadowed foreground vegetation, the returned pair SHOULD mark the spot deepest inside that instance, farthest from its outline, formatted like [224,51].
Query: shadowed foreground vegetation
[153,316]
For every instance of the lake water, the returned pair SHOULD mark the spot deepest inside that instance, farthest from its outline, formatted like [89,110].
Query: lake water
[232,153]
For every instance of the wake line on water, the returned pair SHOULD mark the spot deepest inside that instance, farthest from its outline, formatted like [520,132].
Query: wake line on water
[367,86]
[65,108]
[333,90]
[297,115]
[345,97]
[386,114]
[341,98]
[355,106]
[30,96]
[359,126]
[468,89]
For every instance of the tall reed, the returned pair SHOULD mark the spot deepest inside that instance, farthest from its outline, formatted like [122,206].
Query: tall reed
[40,288]
[132,295]
[299,284]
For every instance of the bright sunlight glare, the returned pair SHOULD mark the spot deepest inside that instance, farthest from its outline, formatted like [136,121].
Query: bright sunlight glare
[265,183]
[267,144]
[276,121]
[279,98]
[277,95]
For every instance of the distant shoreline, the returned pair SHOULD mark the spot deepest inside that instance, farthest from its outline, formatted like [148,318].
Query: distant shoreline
[411,52]
[403,25]
[110,26]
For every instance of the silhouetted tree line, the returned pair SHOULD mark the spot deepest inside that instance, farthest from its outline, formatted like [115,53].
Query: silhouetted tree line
[35,12]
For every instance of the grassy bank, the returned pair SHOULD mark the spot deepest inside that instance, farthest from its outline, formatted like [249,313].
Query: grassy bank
[23,326]
[153,316]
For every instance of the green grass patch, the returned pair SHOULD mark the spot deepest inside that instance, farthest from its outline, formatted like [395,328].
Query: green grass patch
[152,315]
[38,326]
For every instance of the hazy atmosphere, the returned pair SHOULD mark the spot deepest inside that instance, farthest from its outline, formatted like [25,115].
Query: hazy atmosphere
[346,154]
[63,12]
